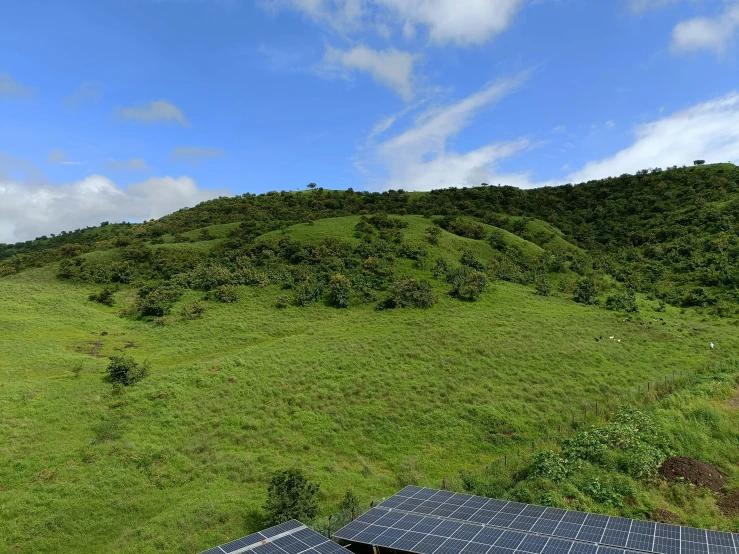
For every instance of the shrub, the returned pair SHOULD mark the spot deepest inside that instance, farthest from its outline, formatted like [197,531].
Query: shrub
[497,239]
[409,293]
[225,293]
[309,291]
[192,311]
[157,300]
[463,228]
[291,495]
[440,268]
[470,260]
[433,234]
[586,291]
[349,503]
[412,252]
[621,301]
[283,301]
[339,290]
[543,286]
[105,296]
[124,370]
[467,283]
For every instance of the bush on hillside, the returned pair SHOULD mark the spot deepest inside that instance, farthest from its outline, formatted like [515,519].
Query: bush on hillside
[339,291]
[433,234]
[104,297]
[157,300]
[192,311]
[225,293]
[543,286]
[408,292]
[622,301]
[291,495]
[440,269]
[586,291]
[464,228]
[124,370]
[470,260]
[467,283]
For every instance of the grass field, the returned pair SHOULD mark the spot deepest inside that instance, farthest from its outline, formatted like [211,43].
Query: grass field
[357,398]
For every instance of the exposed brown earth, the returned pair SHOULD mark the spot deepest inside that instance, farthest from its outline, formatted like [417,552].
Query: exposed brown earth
[729,505]
[693,471]
[666,516]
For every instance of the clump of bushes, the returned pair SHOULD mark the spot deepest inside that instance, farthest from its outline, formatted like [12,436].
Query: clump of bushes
[291,495]
[467,283]
[586,291]
[157,300]
[433,234]
[339,291]
[543,285]
[225,293]
[104,297]
[126,371]
[622,301]
[192,311]
[464,228]
[409,293]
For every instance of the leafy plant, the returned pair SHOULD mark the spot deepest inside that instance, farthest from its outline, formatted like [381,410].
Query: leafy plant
[291,495]
[126,371]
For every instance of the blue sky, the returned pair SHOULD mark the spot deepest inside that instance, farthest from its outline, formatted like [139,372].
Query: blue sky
[129,109]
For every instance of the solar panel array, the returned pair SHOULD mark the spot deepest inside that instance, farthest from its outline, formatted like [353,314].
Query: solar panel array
[428,521]
[291,537]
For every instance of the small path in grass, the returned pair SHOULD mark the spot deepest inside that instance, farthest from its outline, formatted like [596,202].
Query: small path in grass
[733,402]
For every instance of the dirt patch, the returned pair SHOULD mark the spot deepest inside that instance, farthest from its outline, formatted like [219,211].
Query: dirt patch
[733,402]
[693,471]
[666,516]
[130,344]
[95,352]
[729,505]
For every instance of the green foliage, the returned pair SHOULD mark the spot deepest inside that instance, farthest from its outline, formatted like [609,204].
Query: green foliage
[467,283]
[283,301]
[126,371]
[104,297]
[433,234]
[339,291]
[157,300]
[193,311]
[408,292]
[291,495]
[586,291]
[349,503]
[227,294]
[463,228]
[497,239]
[470,260]
[543,285]
[440,269]
[622,301]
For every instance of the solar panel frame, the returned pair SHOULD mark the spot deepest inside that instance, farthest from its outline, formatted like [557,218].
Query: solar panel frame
[566,532]
[290,537]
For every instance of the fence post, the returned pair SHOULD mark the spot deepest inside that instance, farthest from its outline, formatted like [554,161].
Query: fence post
[352,514]
[329,526]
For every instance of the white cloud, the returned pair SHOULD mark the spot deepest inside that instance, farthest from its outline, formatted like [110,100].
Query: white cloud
[195,154]
[391,68]
[89,91]
[133,164]
[57,157]
[447,21]
[31,210]
[10,89]
[610,124]
[708,131]
[705,33]
[641,6]
[157,111]
[418,159]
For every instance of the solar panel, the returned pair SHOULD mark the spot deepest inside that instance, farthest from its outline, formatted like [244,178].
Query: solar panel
[427,521]
[291,537]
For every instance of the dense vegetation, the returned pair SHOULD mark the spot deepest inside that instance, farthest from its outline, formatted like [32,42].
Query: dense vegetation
[159,381]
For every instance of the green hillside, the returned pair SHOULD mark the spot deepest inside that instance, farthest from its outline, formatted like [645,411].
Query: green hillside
[314,330]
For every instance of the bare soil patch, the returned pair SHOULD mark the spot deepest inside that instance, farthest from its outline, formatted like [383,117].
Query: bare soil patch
[693,471]
[729,505]
[666,516]
[733,402]
[95,352]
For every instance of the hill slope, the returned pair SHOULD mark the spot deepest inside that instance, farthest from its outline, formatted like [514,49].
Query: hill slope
[358,397]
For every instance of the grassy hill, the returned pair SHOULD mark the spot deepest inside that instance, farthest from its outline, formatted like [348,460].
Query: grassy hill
[360,398]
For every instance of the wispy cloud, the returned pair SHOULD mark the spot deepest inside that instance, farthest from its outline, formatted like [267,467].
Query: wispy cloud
[132,164]
[708,131]
[418,159]
[10,89]
[445,21]
[391,68]
[195,154]
[157,111]
[706,33]
[641,6]
[87,92]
